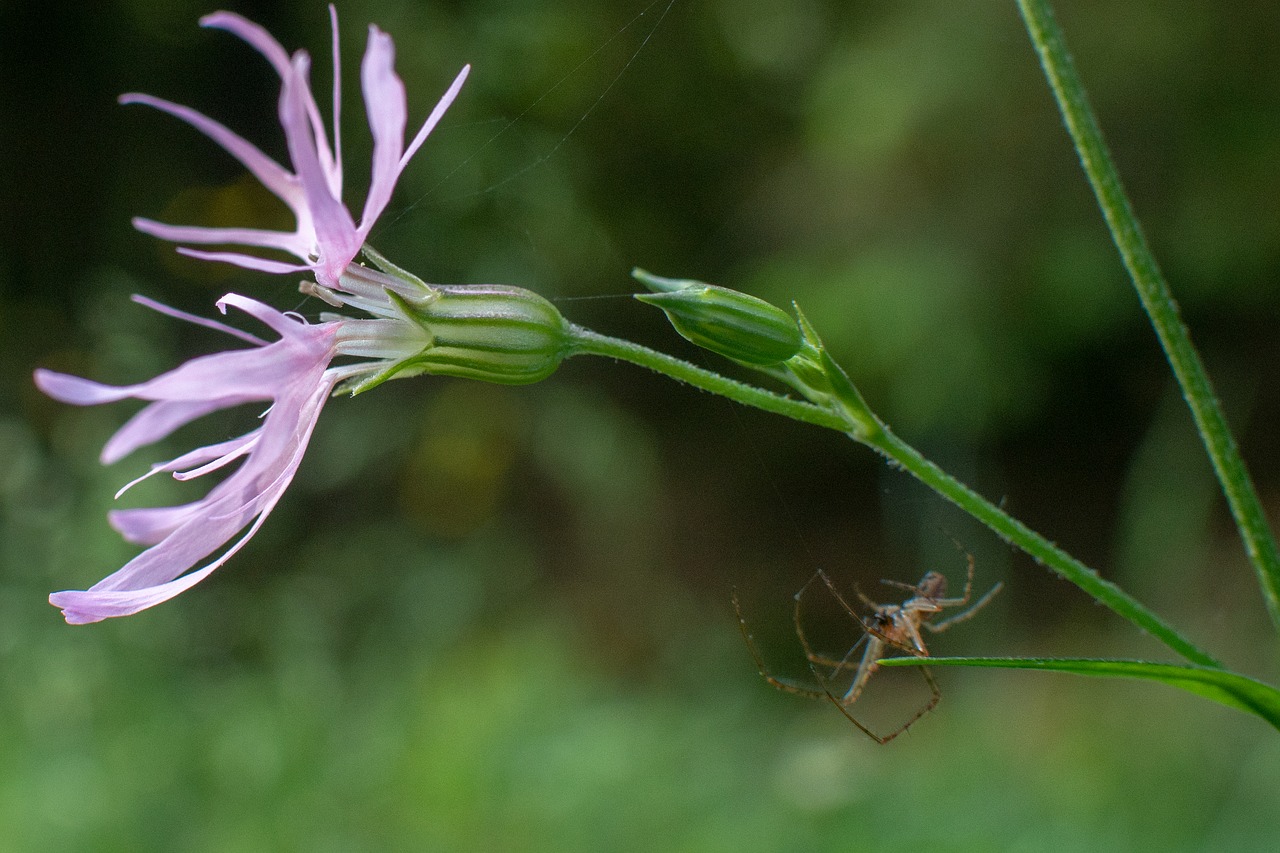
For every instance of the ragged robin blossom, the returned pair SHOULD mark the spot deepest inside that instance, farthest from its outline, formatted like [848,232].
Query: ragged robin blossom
[293,375]
[326,238]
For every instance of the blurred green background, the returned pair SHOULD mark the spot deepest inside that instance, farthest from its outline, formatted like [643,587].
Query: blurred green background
[495,618]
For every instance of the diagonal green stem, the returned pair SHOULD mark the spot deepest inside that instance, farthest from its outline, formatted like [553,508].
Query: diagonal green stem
[1038,547]
[587,342]
[1156,298]
[849,414]
[1229,688]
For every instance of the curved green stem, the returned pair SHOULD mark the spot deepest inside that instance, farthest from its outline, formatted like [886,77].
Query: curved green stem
[1229,688]
[849,414]
[586,342]
[1156,298]
[1037,546]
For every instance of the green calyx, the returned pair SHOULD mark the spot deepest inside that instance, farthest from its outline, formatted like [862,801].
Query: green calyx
[733,324]
[506,335]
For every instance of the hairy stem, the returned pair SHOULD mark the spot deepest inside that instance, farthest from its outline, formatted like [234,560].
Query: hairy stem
[1037,546]
[848,414]
[1157,301]
[587,342]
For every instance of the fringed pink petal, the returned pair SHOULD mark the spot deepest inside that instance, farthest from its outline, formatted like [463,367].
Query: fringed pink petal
[151,524]
[207,322]
[254,34]
[285,325]
[182,536]
[384,99]
[272,175]
[280,60]
[77,391]
[249,262]
[157,421]
[336,240]
[326,238]
[436,114]
[337,96]
[82,607]
[291,242]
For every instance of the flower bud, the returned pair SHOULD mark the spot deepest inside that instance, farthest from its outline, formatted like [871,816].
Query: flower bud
[727,322]
[493,333]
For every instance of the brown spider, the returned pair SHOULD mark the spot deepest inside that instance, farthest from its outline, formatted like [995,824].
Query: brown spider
[896,625]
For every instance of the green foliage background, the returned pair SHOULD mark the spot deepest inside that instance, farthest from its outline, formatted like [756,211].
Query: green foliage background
[498,618]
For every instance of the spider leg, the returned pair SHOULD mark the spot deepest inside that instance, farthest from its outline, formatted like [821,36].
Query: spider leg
[835,666]
[909,587]
[831,587]
[850,717]
[786,686]
[843,706]
[866,668]
[815,659]
[916,646]
[935,627]
[866,602]
[935,696]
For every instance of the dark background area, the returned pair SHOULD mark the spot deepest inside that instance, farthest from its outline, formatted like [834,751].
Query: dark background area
[498,618]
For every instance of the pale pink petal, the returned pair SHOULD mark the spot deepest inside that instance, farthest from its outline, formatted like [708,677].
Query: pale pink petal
[255,34]
[241,375]
[337,95]
[213,457]
[272,175]
[153,576]
[150,525]
[293,373]
[285,325]
[326,238]
[329,167]
[77,391]
[336,240]
[436,115]
[215,464]
[195,539]
[384,100]
[280,60]
[294,243]
[84,607]
[247,261]
[207,322]
[158,420]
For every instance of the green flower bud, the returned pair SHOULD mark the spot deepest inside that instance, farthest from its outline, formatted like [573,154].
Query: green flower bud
[493,333]
[727,322]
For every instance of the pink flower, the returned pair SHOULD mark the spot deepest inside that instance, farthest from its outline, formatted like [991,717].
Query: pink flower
[326,238]
[291,373]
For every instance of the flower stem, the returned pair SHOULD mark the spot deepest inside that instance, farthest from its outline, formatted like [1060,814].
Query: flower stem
[1157,300]
[586,342]
[848,414]
[1038,547]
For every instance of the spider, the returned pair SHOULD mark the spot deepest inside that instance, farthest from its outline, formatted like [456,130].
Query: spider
[896,625]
